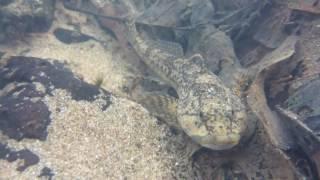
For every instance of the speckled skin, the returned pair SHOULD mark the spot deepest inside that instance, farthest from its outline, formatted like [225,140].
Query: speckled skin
[208,111]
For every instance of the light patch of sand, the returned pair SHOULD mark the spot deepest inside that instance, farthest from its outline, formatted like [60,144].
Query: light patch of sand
[84,142]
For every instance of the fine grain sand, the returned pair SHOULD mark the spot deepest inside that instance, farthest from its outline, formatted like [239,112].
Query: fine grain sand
[84,142]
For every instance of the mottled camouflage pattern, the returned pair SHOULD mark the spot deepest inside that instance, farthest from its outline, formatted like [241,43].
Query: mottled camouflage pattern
[207,111]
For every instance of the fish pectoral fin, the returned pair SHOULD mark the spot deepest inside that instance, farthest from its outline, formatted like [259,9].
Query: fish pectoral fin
[169,47]
[160,105]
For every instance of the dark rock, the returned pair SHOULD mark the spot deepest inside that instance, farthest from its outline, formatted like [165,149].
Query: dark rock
[22,112]
[305,101]
[29,69]
[68,36]
[271,30]
[162,14]
[46,172]
[1,54]
[314,123]
[5,2]
[202,12]
[28,157]
[23,118]
[4,151]
[20,17]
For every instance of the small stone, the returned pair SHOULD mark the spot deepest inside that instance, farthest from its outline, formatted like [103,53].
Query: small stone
[46,172]
[28,157]
[68,36]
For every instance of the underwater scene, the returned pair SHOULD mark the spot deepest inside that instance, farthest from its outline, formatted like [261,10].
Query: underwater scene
[160,89]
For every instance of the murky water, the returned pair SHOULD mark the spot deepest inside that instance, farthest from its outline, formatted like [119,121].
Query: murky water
[70,77]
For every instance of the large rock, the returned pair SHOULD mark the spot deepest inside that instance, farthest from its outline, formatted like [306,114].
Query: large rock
[18,17]
[24,83]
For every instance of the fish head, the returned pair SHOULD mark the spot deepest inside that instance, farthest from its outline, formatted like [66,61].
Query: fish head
[218,122]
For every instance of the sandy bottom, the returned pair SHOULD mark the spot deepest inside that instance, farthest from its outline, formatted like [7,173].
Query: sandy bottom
[84,142]
[122,142]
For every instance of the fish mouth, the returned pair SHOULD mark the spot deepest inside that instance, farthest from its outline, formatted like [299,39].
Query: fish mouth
[219,142]
[219,147]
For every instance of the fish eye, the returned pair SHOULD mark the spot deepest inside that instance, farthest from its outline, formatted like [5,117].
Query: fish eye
[201,115]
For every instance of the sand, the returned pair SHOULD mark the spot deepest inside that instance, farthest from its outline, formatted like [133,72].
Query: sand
[85,142]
